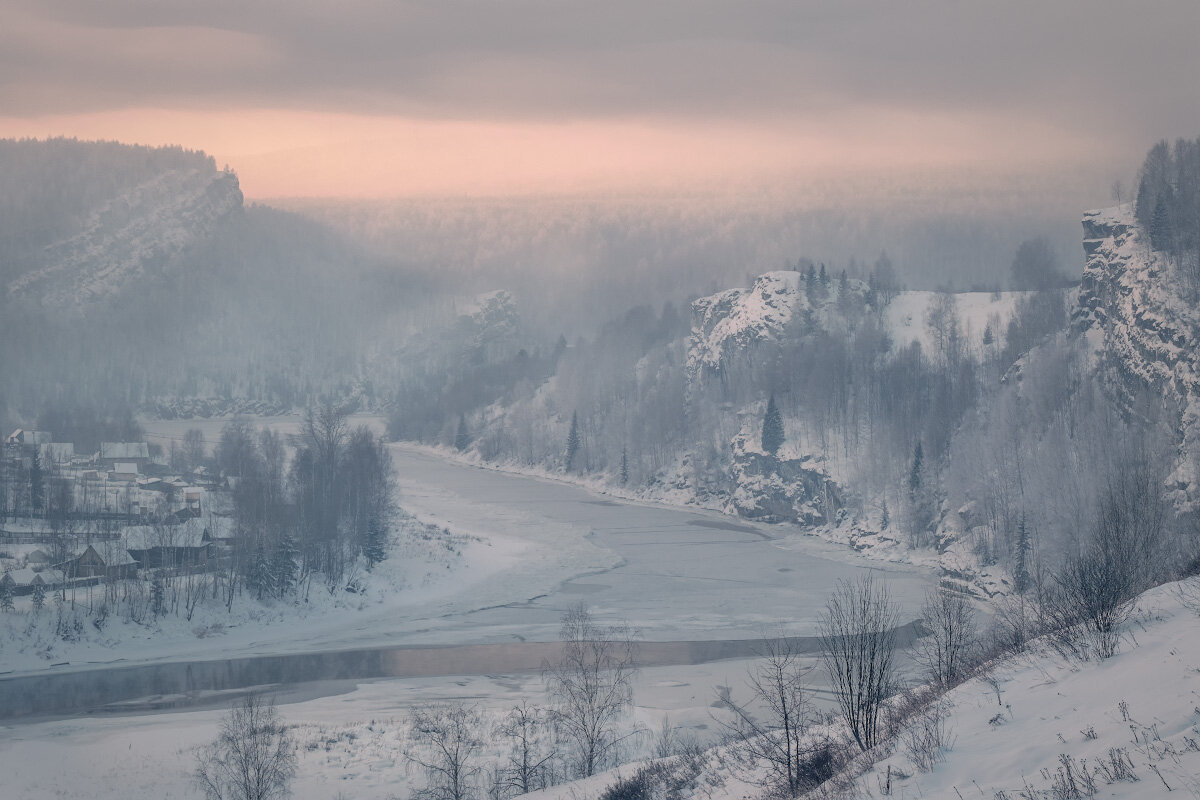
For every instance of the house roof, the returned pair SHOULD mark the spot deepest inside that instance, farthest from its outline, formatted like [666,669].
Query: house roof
[124,450]
[28,577]
[114,554]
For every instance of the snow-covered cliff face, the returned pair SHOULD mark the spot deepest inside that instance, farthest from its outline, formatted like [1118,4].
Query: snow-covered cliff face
[1134,315]
[135,235]
[728,323]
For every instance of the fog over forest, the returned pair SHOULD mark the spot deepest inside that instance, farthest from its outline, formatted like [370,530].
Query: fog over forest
[628,401]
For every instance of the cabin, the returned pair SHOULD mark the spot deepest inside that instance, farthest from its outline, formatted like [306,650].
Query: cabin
[156,546]
[28,439]
[113,453]
[220,531]
[114,563]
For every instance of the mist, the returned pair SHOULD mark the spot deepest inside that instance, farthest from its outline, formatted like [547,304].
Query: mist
[637,401]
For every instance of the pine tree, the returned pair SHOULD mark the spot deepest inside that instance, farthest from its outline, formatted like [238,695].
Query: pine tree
[1021,558]
[914,475]
[1161,234]
[573,442]
[462,439]
[772,428]
[988,337]
[158,595]
[283,566]
[823,276]
[885,518]
[39,596]
[624,466]
[260,578]
[375,543]
[6,597]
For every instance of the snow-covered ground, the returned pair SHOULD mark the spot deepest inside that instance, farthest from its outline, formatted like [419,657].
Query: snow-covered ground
[906,317]
[1139,709]
[1141,706]
[350,743]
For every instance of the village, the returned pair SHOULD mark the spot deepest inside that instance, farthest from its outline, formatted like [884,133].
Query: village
[71,520]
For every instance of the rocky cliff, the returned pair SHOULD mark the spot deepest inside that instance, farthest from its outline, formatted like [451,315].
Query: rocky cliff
[1144,333]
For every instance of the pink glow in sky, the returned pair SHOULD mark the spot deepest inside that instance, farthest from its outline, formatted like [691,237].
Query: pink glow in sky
[371,98]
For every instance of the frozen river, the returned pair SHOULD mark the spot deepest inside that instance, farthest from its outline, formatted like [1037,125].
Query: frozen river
[674,573]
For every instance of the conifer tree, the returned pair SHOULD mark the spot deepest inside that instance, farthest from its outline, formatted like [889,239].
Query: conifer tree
[158,597]
[283,566]
[461,438]
[573,442]
[914,475]
[624,466]
[259,578]
[885,518]
[988,336]
[1160,226]
[6,597]
[39,596]
[772,429]
[374,547]
[1021,558]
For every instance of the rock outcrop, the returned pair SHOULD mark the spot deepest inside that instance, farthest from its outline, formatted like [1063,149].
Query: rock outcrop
[1144,333]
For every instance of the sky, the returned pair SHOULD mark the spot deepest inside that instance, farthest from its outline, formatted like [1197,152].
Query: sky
[367,98]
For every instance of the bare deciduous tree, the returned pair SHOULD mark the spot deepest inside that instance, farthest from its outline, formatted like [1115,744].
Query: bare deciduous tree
[1097,586]
[778,740]
[446,744]
[951,637]
[858,640]
[252,758]
[591,685]
[524,727]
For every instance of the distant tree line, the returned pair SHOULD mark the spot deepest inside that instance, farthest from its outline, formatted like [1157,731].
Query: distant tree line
[1167,206]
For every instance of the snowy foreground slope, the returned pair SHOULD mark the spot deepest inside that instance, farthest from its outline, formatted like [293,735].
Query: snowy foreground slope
[1140,707]
[1040,727]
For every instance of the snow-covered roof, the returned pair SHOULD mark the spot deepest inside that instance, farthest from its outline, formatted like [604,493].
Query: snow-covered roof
[29,577]
[114,554]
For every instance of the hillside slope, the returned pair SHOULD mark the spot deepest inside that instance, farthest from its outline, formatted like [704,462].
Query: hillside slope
[131,236]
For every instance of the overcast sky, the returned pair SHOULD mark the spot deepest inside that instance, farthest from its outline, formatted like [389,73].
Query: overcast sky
[359,97]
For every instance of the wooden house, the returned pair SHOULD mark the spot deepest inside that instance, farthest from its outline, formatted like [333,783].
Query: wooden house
[171,546]
[114,563]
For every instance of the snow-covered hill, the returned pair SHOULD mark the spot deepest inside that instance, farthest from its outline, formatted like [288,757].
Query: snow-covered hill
[132,236]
